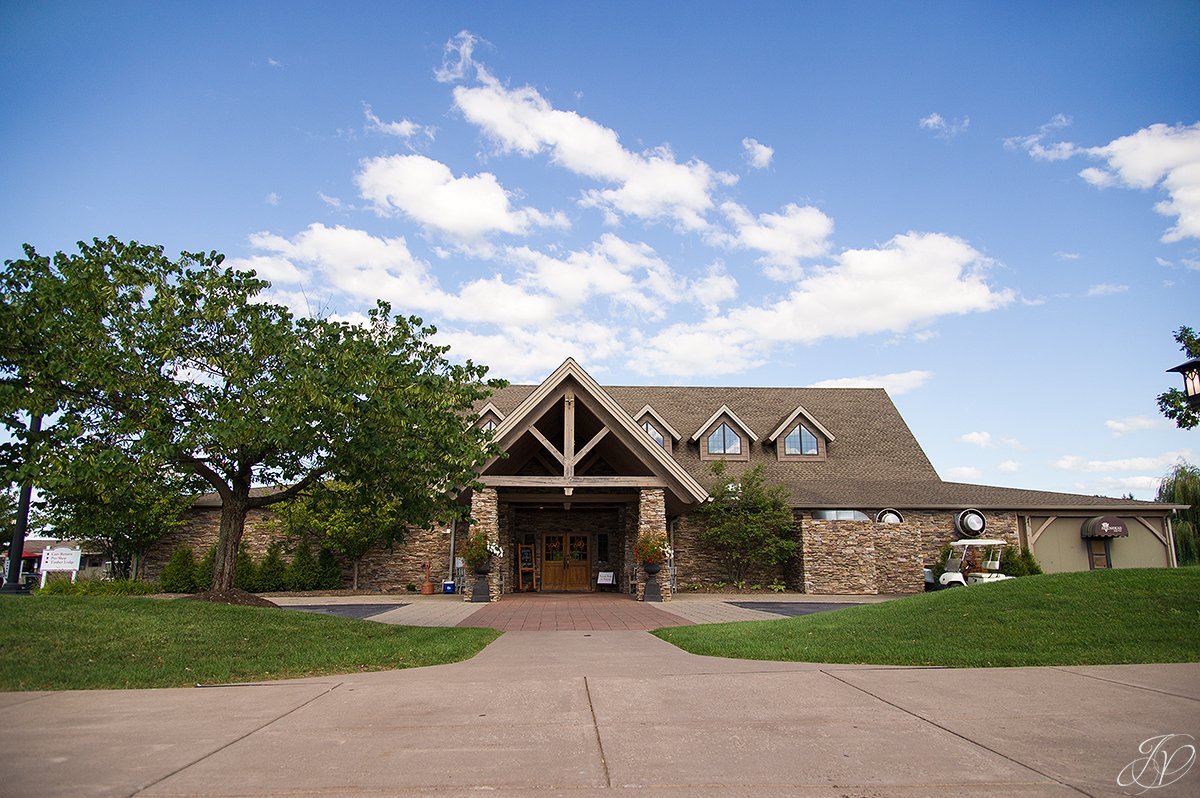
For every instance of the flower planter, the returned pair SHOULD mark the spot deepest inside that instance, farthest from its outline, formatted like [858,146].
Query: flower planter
[652,567]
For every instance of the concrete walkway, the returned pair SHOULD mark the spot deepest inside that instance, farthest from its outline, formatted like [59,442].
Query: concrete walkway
[597,713]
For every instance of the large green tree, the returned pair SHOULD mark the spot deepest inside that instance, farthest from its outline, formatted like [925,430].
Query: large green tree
[189,363]
[748,523]
[1174,403]
[1181,485]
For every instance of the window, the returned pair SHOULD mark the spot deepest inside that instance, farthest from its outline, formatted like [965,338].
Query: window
[800,441]
[602,547]
[653,432]
[724,441]
[1099,555]
[488,425]
[839,515]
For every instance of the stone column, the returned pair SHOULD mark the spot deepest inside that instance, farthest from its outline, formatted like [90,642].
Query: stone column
[652,519]
[485,517]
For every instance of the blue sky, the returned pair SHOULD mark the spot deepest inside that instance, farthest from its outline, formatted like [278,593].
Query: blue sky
[992,210]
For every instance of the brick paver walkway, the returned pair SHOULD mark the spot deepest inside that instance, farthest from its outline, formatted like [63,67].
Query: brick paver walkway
[558,612]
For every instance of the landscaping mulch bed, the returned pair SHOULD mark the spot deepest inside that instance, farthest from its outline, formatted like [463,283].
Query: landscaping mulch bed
[232,596]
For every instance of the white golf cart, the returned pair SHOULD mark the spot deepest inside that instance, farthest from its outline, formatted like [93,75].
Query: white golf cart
[975,561]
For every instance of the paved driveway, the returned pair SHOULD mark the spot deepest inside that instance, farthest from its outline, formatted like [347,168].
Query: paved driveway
[595,713]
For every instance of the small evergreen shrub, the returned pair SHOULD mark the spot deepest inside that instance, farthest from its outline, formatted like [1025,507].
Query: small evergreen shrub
[1018,562]
[303,573]
[245,575]
[272,571]
[203,578]
[330,571]
[180,572]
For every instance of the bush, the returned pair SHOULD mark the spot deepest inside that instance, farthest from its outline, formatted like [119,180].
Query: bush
[245,575]
[330,570]
[180,572]
[100,587]
[205,569]
[272,571]
[303,573]
[1018,562]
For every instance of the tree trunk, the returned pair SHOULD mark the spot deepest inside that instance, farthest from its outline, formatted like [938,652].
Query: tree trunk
[354,583]
[233,523]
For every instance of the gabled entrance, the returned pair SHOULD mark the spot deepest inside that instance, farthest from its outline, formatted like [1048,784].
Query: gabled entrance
[580,480]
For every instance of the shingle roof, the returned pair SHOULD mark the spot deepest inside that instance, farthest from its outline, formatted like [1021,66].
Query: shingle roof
[874,460]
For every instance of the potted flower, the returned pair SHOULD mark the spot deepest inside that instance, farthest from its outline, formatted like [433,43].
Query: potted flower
[478,552]
[652,550]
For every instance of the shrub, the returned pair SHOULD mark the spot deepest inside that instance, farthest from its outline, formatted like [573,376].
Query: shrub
[1018,562]
[99,587]
[330,570]
[205,568]
[303,573]
[180,572]
[272,571]
[245,575]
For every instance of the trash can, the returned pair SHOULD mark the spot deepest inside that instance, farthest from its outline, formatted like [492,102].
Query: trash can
[448,586]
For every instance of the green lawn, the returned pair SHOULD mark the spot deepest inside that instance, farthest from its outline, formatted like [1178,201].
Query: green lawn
[1100,617]
[82,642]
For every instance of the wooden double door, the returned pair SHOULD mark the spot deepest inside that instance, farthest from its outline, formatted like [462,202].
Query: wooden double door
[566,562]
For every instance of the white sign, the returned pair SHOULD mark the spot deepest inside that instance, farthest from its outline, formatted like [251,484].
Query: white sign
[60,559]
[605,578]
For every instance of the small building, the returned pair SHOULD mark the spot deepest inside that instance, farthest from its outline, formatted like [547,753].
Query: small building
[587,468]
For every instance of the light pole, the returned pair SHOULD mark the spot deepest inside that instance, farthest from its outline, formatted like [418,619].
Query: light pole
[1191,381]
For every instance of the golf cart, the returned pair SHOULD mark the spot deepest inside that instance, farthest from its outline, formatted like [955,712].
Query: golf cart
[975,561]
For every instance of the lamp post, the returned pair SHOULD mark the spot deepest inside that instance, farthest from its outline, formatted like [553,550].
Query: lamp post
[1191,381]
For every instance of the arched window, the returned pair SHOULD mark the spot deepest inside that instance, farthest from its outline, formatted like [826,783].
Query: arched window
[724,441]
[800,441]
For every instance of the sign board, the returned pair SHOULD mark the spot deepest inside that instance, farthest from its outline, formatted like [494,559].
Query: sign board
[606,578]
[62,559]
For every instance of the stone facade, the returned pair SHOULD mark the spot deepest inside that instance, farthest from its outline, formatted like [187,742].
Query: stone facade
[485,517]
[651,520]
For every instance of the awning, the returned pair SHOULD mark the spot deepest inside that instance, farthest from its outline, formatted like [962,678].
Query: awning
[1104,526]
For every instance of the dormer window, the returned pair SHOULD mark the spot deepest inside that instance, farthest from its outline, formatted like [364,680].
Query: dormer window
[724,437]
[653,432]
[489,417]
[800,442]
[724,441]
[801,437]
[488,425]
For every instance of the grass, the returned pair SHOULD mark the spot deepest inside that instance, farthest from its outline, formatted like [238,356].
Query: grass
[100,642]
[1093,618]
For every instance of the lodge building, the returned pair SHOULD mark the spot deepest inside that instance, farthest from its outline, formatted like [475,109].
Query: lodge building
[587,468]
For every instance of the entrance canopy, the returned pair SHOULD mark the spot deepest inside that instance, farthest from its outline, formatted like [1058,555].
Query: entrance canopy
[570,442]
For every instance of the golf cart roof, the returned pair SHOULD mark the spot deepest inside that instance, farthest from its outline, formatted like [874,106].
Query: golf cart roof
[979,542]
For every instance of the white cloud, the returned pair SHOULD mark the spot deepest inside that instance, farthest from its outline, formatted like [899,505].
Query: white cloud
[964,473]
[1159,462]
[757,155]
[404,128]
[909,282]
[1009,467]
[1163,156]
[274,63]
[1124,426]
[942,128]
[784,238]
[1067,255]
[1146,485]
[895,384]
[467,208]
[271,199]
[1166,157]
[1037,149]
[1106,289]
[980,439]
[715,287]
[522,354]
[651,185]
[457,58]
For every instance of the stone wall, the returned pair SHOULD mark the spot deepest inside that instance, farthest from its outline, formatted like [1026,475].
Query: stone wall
[485,517]
[695,563]
[383,568]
